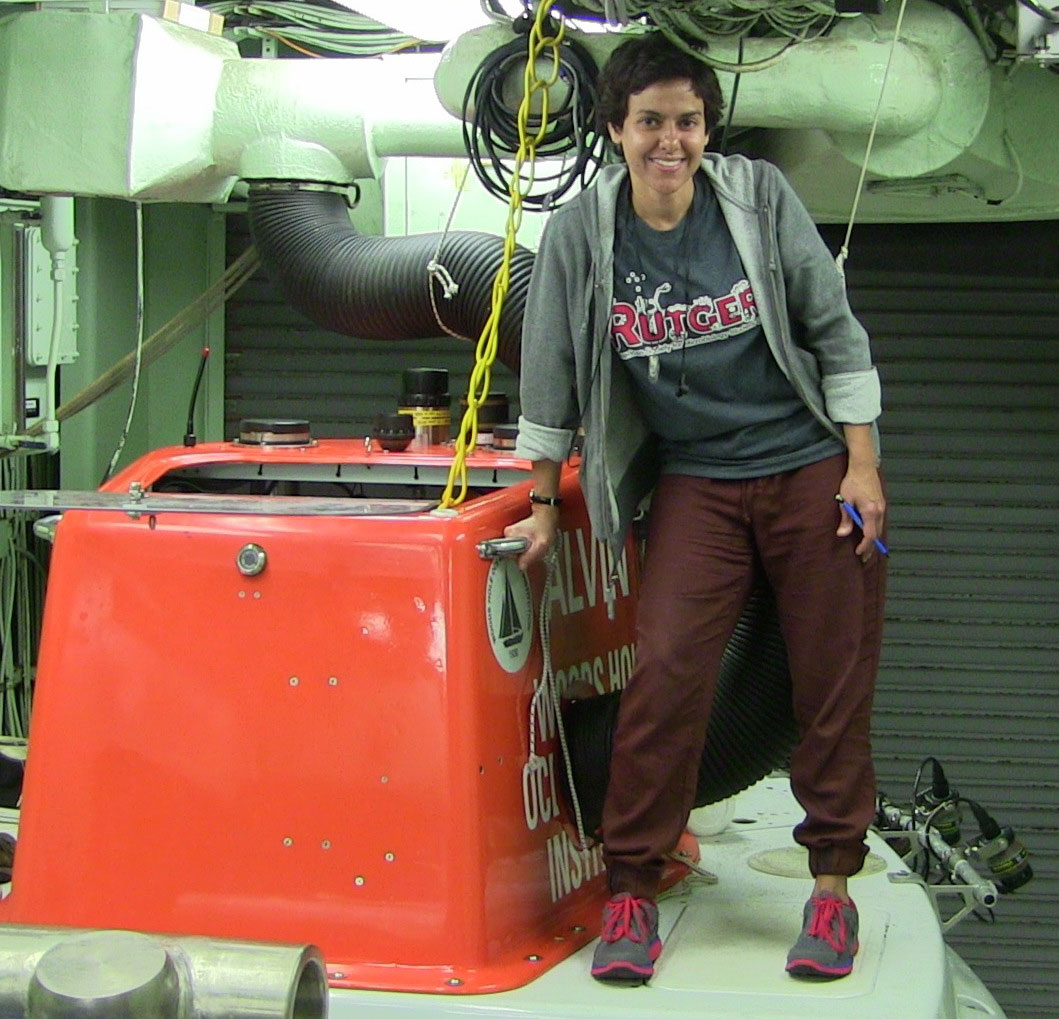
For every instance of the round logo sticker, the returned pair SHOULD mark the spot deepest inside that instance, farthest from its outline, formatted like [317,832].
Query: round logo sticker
[509,614]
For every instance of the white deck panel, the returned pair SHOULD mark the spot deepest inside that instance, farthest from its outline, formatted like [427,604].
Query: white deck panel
[726,946]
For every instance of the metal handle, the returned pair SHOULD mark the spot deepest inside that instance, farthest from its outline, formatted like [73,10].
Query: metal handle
[500,548]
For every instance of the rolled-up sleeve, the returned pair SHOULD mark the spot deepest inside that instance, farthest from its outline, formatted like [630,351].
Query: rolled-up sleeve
[817,301]
[547,372]
[853,398]
[539,442]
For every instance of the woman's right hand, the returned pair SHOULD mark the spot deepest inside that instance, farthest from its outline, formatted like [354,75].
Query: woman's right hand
[540,528]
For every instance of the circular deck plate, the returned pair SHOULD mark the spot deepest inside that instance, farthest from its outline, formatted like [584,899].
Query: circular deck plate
[793,861]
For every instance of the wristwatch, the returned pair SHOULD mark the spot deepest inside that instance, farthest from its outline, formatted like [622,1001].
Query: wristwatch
[545,500]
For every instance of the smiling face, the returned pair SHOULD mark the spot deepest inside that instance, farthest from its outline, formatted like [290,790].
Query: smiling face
[663,137]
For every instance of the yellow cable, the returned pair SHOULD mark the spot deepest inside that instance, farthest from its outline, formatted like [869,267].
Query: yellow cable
[488,341]
[293,45]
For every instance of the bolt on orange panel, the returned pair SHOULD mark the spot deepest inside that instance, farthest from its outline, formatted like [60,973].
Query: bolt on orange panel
[317,728]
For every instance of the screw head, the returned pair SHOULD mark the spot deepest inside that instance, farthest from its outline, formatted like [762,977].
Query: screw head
[358,881]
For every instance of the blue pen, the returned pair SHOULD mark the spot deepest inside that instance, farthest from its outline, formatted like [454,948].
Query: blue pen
[855,517]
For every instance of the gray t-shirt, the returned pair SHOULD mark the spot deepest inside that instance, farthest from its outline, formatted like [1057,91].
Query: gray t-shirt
[685,325]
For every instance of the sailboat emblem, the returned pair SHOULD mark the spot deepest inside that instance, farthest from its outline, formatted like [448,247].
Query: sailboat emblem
[509,614]
[510,624]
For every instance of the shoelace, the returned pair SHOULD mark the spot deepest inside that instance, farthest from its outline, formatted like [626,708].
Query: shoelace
[625,919]
[825,912]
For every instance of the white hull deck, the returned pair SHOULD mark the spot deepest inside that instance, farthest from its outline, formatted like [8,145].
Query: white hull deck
[726,945]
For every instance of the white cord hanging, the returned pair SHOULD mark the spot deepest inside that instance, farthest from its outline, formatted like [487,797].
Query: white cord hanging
[550,686]
[437,271]
[139,343]
[843,253]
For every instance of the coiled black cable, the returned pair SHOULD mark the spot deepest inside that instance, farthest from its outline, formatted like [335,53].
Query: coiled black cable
[490,126]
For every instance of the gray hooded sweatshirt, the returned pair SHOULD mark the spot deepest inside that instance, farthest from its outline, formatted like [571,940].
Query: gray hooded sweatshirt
[569,379]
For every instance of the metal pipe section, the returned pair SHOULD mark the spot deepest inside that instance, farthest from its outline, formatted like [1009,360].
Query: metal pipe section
[933,107]
[151,85]
[830,83]
[333,121]
[56,973]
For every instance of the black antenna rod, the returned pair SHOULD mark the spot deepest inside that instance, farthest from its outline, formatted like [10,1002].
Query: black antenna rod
[189,435]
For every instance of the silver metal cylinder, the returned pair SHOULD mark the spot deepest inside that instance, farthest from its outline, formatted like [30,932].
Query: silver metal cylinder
[232,978]
[55,973]
[112,973]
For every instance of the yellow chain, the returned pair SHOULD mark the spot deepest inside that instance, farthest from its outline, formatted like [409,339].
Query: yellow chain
[488,341]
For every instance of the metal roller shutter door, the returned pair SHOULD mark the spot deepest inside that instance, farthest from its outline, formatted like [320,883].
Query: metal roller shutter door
[970,366]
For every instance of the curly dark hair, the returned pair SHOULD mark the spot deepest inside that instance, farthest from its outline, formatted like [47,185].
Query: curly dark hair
[643,61]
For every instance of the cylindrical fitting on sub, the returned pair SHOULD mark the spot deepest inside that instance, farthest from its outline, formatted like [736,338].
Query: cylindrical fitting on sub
[393,432]
[492,411]
[505,437]
[58,973]
[425,396]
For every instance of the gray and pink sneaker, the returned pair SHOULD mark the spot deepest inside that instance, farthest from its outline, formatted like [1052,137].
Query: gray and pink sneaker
[629,944]
[828,941]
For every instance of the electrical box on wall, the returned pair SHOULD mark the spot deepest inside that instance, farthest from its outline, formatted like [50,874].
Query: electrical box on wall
[33,264]
[27,317]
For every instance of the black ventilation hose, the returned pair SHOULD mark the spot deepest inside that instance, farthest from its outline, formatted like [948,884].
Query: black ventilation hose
[751,732]
[377,287]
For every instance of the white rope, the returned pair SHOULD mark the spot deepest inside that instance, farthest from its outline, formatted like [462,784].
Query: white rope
[450,288]
[437,271]
[843,253]
[549,685]
[139,343]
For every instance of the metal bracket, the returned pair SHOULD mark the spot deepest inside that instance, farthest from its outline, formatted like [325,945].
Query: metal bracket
[936,892]
[1038,33]
[138,501]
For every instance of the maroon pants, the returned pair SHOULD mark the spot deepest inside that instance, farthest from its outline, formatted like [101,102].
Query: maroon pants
[707,541]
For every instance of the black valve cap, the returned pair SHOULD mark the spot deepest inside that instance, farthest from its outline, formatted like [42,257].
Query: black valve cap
[393,431]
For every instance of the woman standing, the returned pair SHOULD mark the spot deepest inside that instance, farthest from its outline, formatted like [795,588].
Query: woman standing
[685,312]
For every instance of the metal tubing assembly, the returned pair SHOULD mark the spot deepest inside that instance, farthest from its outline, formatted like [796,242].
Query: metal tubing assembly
[958,866]
[56,973]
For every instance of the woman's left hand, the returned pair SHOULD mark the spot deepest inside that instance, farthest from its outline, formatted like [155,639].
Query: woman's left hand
[862,489]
